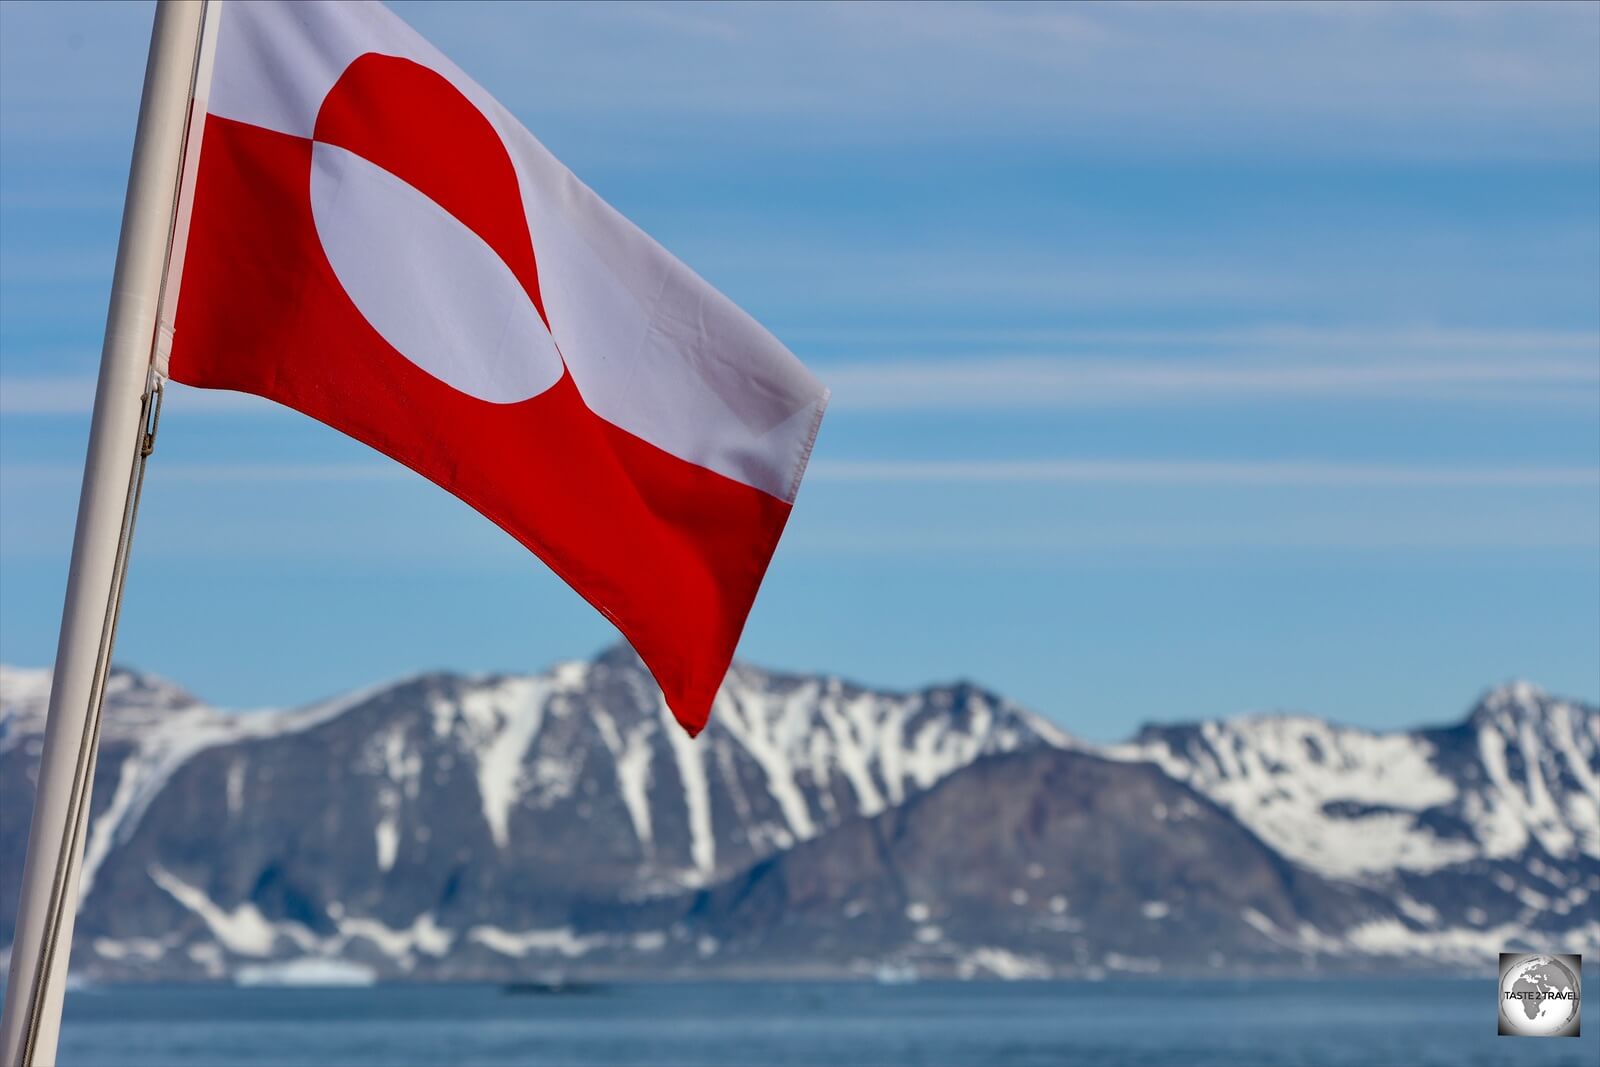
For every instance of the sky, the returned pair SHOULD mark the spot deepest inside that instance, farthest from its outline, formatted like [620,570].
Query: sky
[1187,360]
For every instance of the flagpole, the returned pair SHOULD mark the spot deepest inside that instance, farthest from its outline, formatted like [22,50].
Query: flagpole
[120,435]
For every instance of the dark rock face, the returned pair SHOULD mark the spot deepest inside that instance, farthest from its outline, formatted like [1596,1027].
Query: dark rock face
[1031,864]
[488,827]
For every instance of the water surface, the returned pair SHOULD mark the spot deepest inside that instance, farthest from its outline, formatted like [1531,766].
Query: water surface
[1306,1023]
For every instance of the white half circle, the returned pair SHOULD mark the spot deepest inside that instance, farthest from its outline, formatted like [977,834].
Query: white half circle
[430,286]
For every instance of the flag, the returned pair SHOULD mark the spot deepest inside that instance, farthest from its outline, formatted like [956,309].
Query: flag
[371,239]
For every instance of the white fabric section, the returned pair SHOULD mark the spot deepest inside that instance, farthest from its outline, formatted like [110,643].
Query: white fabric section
[652,347]
[430,286]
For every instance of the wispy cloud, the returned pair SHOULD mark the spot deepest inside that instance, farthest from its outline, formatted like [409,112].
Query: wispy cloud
[54,266]
[1361,533]
[1504,80]
[74,395]
[1262,338]
[19,475]
[1149,473]
[1038,382]
[1033,368]
[1156,473]
[46,396]
[1508,81]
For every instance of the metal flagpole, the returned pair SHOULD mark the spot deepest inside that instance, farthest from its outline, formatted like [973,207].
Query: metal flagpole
[126,403]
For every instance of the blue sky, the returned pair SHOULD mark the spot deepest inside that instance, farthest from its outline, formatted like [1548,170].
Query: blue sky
[1187,360]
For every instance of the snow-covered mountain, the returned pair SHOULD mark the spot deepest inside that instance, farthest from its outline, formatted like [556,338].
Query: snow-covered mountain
[1517,775]
[452,826]
[443,806]
[1482,830]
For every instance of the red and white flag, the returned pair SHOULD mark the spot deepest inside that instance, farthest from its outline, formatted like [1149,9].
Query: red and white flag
[374,241]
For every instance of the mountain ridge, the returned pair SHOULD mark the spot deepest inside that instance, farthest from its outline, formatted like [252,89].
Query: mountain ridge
[448,825]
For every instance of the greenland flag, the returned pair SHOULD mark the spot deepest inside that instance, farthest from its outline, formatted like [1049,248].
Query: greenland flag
[374,241]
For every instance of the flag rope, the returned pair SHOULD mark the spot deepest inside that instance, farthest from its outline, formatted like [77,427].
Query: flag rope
[89,740]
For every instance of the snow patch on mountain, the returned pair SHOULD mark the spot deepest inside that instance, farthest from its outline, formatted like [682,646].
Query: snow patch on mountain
[561,941]
[315,972]
[1354,804]
[690,758]
[497,722]
[1389,937]
[242,930]
[139,701]
[631,757]
[1342,801]
[1540,755]
[772,739]
[805,732]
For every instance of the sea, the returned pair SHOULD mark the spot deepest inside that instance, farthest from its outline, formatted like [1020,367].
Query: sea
[1400,1021]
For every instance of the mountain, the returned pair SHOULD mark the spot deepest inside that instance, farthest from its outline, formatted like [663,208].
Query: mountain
[442,807]
[446,826]
[150,726]
[1482,831]
[1032,863]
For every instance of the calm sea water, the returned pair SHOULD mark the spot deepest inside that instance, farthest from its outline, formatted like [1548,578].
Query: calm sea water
[1407,1023]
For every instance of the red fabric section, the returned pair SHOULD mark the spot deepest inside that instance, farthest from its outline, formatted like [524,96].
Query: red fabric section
[413,123]
[671,552]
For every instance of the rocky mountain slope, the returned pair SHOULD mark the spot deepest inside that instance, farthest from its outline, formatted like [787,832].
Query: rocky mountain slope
[1485,831]
[1034,862]
[450,826]
[470,804]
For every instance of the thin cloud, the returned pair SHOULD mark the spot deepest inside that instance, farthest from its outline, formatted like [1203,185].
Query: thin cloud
[46,396]
[1500,81]
[1037,382]
[74,395]
[14,475]
[1156,473]
[1029,369]
[1264,338]
[1111,472]
[1365,533]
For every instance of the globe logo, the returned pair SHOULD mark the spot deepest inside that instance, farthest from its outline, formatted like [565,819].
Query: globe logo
[1539,995]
